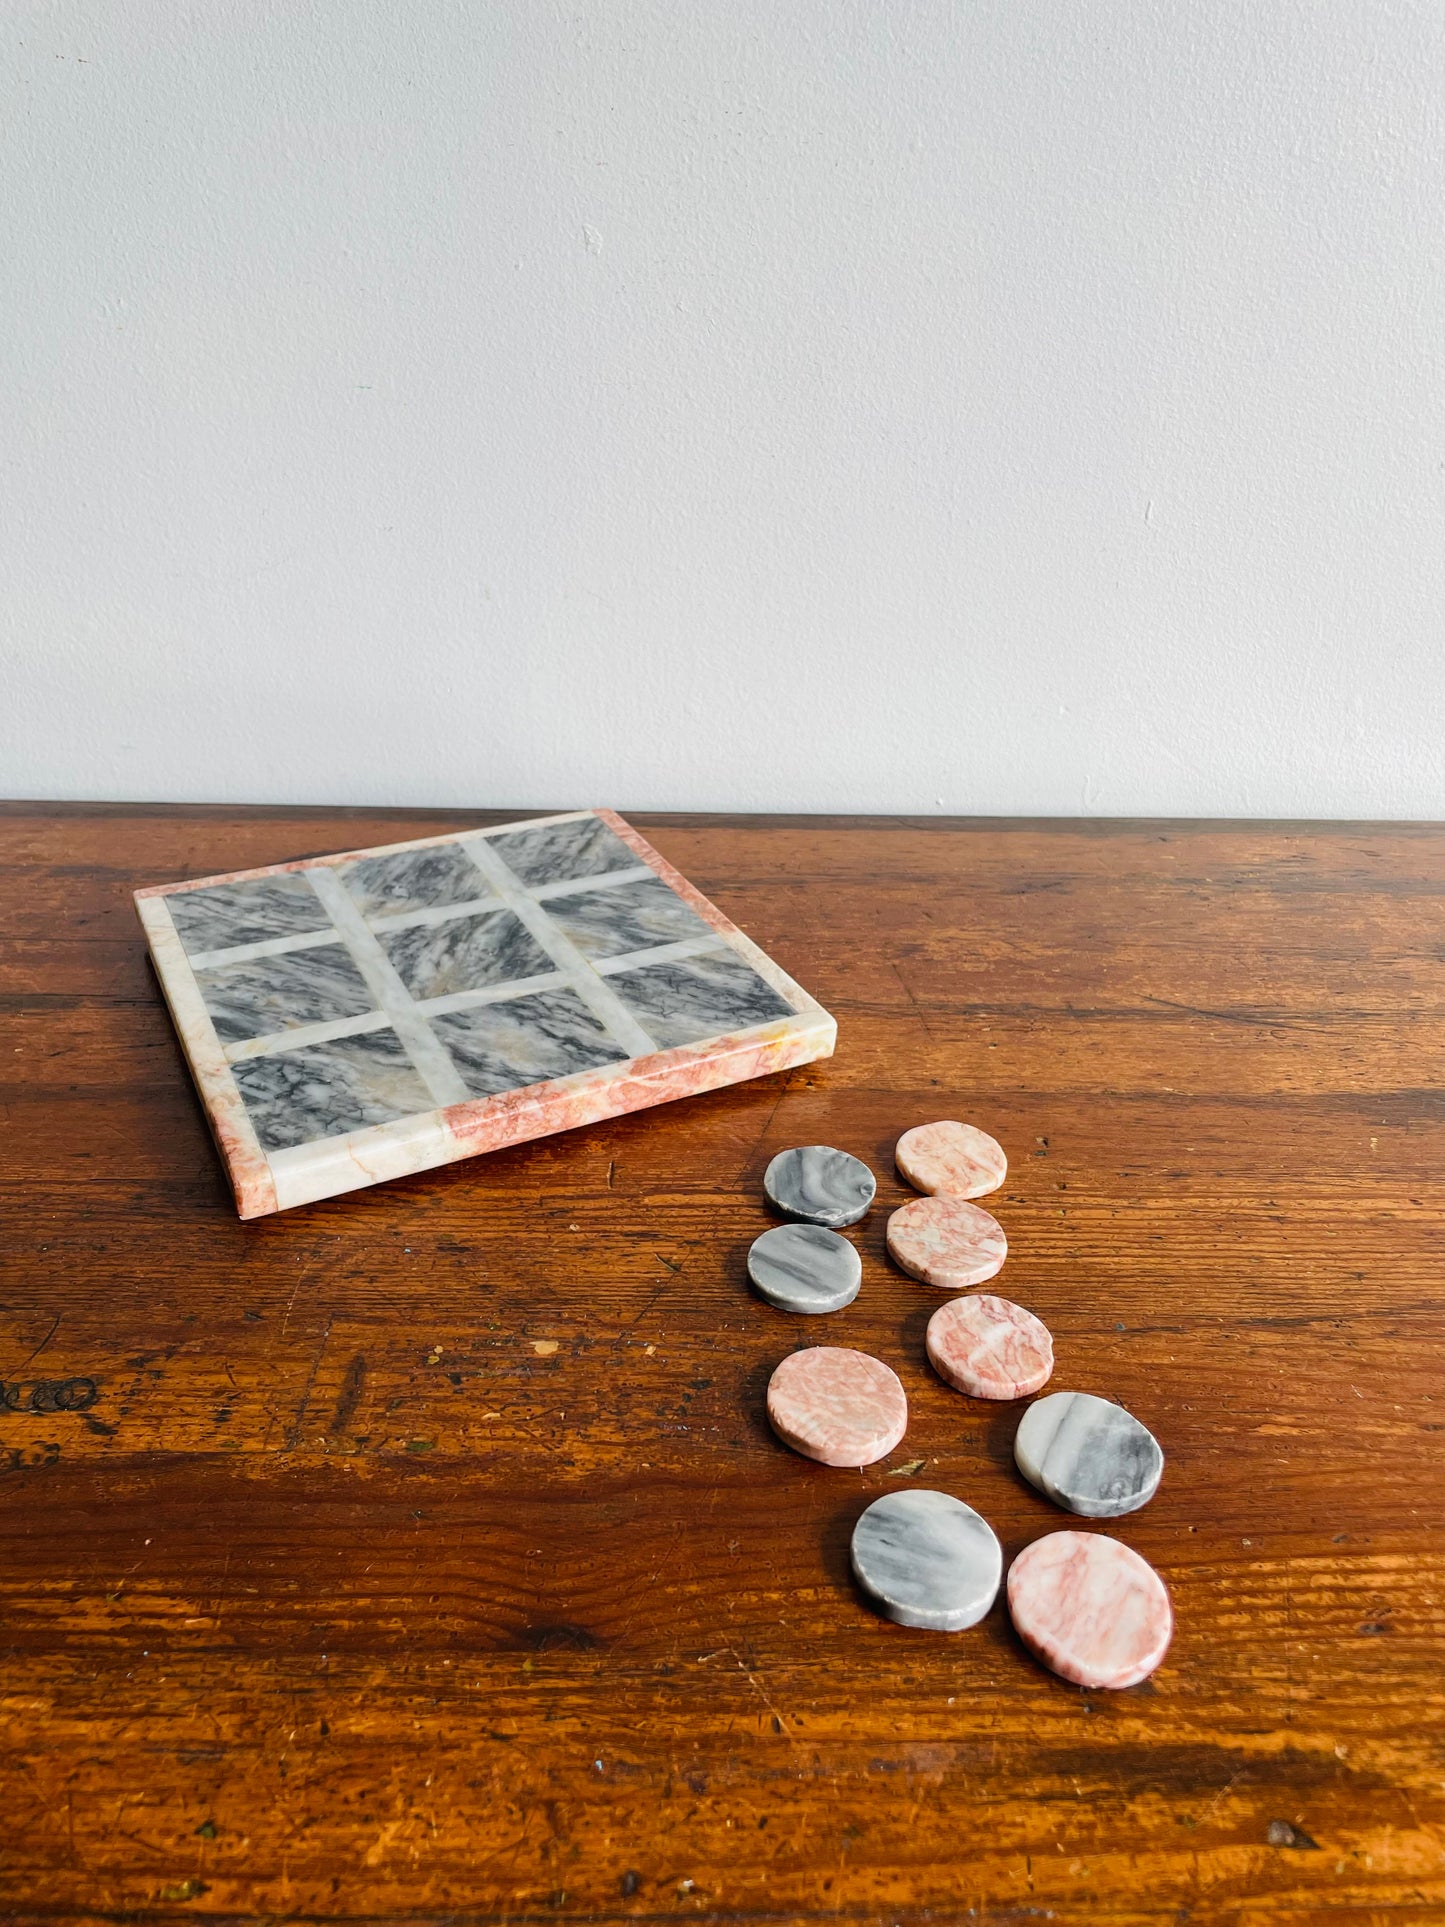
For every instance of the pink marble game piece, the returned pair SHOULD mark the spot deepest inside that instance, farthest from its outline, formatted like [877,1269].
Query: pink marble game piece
[1090,1608]
[989,1348]
[946,1242]
[356,1017]
[837,1406]
[951,1160]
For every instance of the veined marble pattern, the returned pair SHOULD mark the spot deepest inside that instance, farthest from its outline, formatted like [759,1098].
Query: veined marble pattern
[385,886]
[267,994]
[252,912]
[927,1559]
[555,853]
[396,1008]
[526,1040]
[1091,1609]
[323,1090]
[1088,1454]
[465,953]
[628,916]
[679,1003]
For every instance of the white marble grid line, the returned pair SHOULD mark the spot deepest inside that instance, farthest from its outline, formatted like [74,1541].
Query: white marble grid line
[268,947]
[492,993]
[573,886]
[437,1071]
[303,1034]
[438,913]
[604,1004]
[660,953]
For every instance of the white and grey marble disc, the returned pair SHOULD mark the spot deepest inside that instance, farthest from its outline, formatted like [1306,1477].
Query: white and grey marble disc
[819,1185]
[927,1559]
[1088,1455]
[805,1267]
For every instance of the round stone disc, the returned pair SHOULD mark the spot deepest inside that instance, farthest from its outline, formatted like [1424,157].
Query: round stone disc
[837,1406]
[819,1185]
[927,1559]
[989,1348]
[946,1242]
[805,1267]
[1090,1608]
[1088,1455]
[951,1160]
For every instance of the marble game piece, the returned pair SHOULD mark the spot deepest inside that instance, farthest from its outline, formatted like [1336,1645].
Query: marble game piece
[805,1268]
[946,1242]
[1088,1455]
[356,1017]
[837,1406]
[819,1185]
[989,1348]
[951,1160]
[1090,1608]
[927,1559]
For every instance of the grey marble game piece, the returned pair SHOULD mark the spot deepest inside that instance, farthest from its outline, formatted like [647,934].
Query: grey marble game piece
[263,995]
[324,1090]
[805,1267]
[678,1003]
[1088,1455]
[625,917]
[819,1185]
[927,1559]
[526,1040]
[388,886]
[230,914]
[465,953]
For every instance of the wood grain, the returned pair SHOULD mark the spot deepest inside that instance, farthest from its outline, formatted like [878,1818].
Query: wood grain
[423,1555]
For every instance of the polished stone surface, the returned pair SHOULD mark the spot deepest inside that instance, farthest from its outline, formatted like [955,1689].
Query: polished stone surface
[263,995]
[951,1160]
[819,1185]
[324,1090]
[426,879]
[805,1268]
[946,1242]
[989,1347]
[557,852]
[525,1040]
[349,1019]
[627,916]
[1088,1455]
[464,953]
[682,1003]
[1090,1608]
[837,1406]
[927,1560]
[256,910]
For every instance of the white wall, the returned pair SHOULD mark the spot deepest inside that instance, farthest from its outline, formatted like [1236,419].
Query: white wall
[1005,405]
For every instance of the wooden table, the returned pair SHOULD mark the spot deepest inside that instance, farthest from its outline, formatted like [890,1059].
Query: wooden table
[424,1554]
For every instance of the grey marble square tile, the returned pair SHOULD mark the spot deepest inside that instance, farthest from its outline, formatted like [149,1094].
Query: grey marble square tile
[526,1040]
[465,953]
[323,1090]
[554,853]
[267,994]
[386,886]
[252,912]
[628,916]
[680,1003]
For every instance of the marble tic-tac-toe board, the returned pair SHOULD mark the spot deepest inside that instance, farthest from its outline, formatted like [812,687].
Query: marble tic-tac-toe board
[355,1017]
